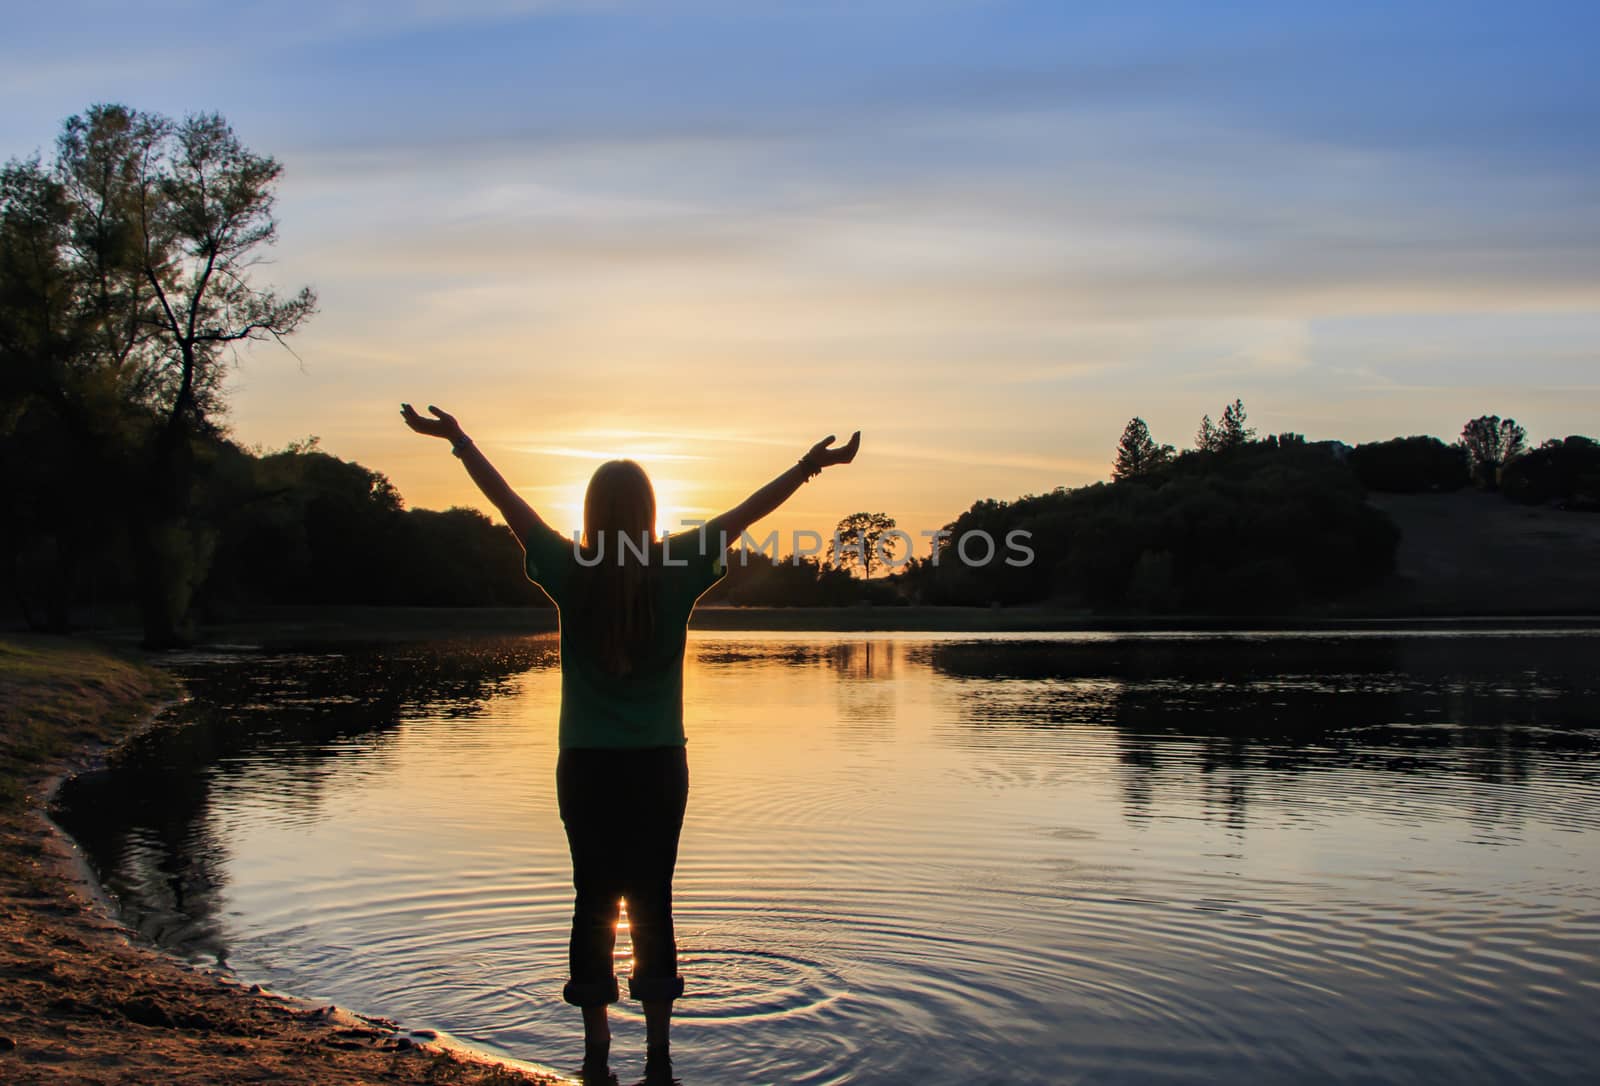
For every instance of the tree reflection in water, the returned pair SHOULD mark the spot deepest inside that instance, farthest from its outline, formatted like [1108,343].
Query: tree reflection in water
[165,860]
[1257,708]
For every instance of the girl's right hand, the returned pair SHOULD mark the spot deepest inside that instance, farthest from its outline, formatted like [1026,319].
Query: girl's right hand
[443,425]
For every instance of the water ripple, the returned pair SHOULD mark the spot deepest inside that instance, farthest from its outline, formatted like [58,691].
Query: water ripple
[938,861]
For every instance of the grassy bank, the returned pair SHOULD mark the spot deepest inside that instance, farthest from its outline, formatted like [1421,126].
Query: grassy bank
[79,1001]
[1477,553]
[60,700]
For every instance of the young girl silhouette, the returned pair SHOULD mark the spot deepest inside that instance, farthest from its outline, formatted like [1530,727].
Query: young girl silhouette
[624,597]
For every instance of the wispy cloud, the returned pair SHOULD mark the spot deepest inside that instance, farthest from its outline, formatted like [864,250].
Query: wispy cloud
[693,231]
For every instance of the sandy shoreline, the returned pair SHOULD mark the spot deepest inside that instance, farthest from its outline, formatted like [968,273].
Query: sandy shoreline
[80,1000]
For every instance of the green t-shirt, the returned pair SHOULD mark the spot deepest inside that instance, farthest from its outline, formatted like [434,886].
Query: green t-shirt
[645,707]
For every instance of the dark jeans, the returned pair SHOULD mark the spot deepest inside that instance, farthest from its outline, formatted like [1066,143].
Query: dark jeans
[623,810]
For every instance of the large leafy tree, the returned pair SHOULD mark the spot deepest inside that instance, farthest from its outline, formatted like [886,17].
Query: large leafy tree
[861,541]
[127,277]
[64,427]
[1491,442]
[1137,452]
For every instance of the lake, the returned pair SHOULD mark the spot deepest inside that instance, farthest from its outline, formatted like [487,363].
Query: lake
[914,858]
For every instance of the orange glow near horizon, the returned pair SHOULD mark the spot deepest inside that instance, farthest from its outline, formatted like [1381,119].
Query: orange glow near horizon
[670,470]
[698,474]
[565,511]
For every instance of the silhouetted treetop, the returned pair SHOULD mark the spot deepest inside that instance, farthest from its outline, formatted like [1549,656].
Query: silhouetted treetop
[864,541]
[1491,442]
[1234,432]
[1564,471]
[1231,433]
[1137,452]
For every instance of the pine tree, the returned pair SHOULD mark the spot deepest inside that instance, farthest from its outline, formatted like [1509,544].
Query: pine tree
[1137,452]
[1234,432]
[1231,434]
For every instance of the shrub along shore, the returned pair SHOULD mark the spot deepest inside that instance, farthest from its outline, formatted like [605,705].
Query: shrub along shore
[80,1001]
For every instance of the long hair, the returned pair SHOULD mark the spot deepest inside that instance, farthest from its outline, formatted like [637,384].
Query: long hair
[617,619]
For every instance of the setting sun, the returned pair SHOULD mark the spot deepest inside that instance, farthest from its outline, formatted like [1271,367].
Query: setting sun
[563,472]
[565,512]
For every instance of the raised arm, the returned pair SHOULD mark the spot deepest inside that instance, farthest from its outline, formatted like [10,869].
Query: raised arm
[518,513]
[731,525]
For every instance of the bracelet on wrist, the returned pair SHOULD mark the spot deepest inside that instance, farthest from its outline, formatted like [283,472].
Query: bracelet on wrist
[459,444]
[810,464]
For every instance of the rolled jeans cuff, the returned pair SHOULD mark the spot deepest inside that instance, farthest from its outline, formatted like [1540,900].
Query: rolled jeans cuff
[654,989]
[591,993]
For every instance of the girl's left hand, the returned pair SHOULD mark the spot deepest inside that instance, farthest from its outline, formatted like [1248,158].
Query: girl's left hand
[845,453]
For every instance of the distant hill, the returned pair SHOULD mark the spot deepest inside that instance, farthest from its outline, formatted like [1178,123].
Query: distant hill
[1474,553]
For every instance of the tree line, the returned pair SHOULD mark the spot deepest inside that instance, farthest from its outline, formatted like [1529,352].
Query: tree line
[126,281]
[1492,453]
[1238,524]
[290,526]
[128,262]
[1234,525]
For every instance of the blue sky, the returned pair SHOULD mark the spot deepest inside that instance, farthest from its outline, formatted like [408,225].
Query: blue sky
[985,233]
